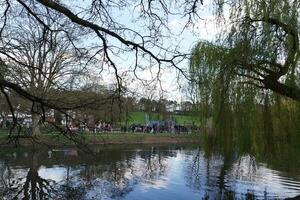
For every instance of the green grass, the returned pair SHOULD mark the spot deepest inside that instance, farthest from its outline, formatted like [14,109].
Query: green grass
[57,139]
[3,131]
[186,120]
[139,118]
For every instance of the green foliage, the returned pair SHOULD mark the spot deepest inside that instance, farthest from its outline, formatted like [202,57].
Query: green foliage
[231,76]
[139,118]
[277,151]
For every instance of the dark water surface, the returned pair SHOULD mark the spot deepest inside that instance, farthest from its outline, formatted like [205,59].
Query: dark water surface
[146,172]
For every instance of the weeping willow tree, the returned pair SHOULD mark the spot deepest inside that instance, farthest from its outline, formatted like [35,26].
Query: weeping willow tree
[250,77]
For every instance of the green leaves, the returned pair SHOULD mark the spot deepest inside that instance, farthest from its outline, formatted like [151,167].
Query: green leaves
[258,53]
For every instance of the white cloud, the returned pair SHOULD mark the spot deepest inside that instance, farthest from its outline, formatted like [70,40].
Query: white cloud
[56,173]
[206,29]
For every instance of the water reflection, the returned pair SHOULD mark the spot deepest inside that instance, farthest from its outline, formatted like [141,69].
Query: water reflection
[145,173]
[25,182]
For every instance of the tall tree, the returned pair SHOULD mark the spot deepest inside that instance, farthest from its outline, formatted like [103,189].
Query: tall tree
[260,46]
[256,56]
[38,59]
[107,39]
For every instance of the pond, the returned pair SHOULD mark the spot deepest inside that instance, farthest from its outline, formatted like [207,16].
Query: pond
[146,172]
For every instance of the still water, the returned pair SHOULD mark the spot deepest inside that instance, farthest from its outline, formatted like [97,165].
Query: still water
[144,172]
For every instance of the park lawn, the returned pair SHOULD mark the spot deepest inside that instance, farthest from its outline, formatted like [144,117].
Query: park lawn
[3,132]
[139,118]
[124,138]
[187,120]
[56,139]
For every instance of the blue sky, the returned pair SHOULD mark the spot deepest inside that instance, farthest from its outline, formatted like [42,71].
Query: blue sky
[203,29]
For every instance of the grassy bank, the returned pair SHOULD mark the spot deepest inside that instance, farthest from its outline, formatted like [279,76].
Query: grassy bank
[55,139]
[139,118]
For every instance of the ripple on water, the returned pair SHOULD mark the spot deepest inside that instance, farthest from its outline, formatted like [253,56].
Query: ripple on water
[141,174]
[261,181]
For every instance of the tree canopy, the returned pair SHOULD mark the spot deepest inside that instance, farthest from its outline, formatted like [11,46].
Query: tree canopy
[40,38]
[260,47]
[48,45]
[249,76]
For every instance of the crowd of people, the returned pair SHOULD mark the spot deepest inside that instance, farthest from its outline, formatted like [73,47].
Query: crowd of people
[97,128]
[103,127]
[158,128]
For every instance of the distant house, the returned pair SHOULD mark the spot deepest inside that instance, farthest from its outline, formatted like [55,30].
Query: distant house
[50,116]
[172,106]
[179,108]
[183,107]
[186,106]
[22,118]
[78,117]
[26,118]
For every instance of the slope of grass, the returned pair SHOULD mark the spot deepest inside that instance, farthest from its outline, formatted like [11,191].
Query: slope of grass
[186,119]
[139,117]
[56,139]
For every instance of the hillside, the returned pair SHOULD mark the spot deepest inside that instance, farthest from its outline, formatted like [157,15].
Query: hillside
[139,118]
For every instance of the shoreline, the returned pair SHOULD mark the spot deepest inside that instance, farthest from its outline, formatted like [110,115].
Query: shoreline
[101,139]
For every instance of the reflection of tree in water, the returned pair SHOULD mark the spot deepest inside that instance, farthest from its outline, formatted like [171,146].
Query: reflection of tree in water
[105,180]
[221,177]
[71,188]
[115,174]
[204,174]
[215,174]
[209,175]
[5,179]
[34,187]
[245,168]
[193,168]
[26,185]
[68,192]
[155,164]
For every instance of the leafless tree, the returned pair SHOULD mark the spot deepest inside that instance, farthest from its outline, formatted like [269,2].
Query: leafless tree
[39,60]
[43,41]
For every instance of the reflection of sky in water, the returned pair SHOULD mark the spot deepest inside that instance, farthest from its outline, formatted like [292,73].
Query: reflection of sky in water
[241,178]
[169,186]
[246,176]
[165,175]
[57,174]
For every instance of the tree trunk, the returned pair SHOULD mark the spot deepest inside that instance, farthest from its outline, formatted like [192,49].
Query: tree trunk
[3,116]
[268,126]
[280,88]
[36,117]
